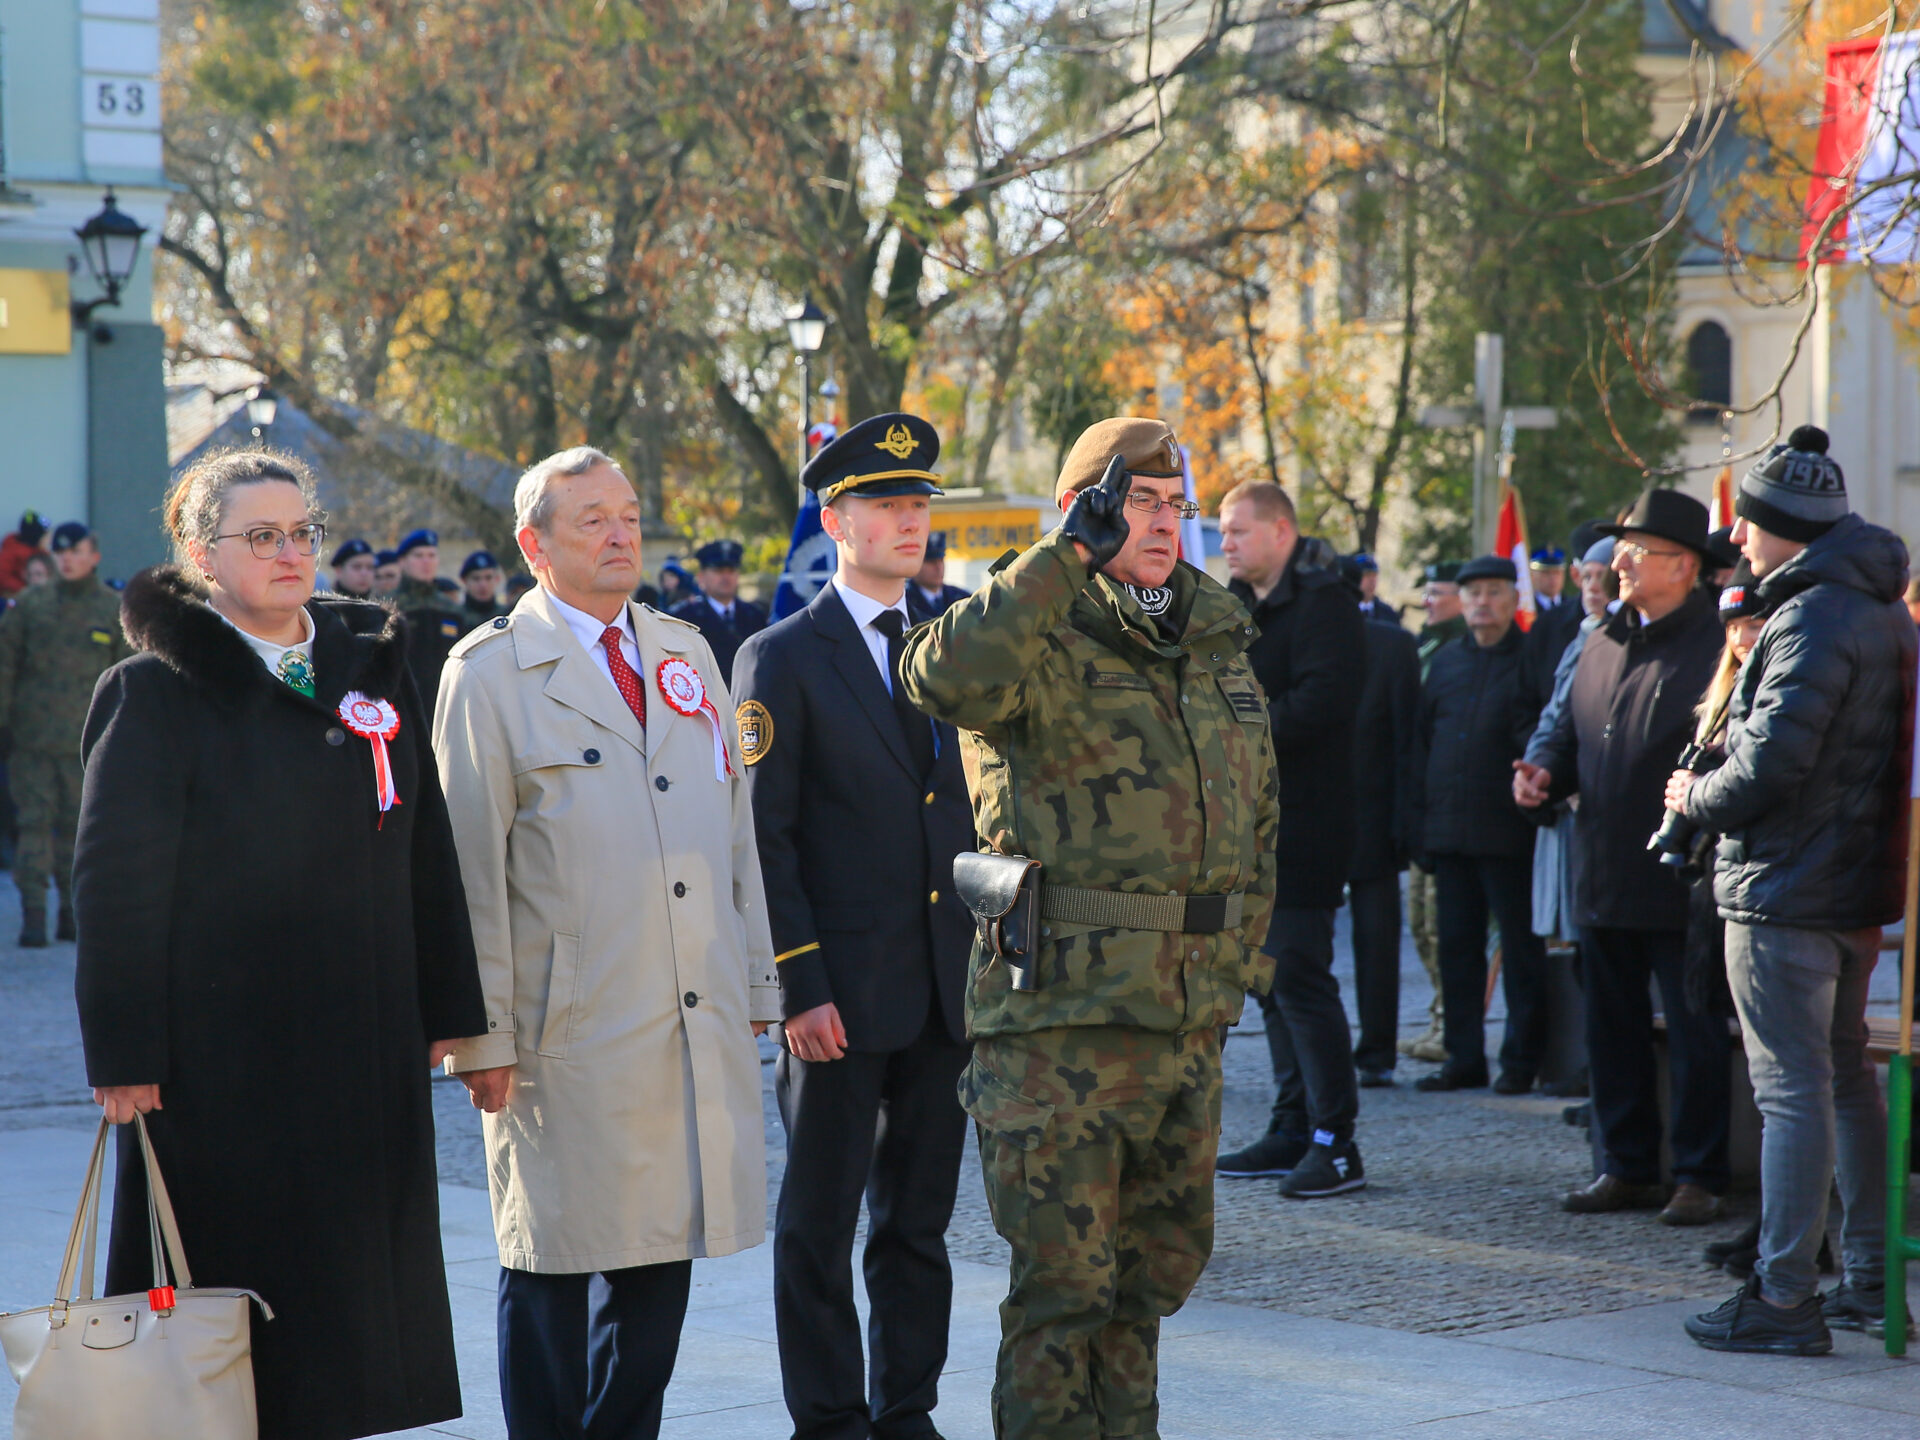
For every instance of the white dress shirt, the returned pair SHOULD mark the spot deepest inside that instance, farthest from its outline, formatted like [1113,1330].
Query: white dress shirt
[865,611]
[588,631]
[272,652]
[725,612]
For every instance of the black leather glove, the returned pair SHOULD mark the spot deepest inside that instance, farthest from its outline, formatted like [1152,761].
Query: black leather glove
[1098,516]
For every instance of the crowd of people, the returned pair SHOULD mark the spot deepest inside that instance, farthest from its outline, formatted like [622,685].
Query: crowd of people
[1016,856]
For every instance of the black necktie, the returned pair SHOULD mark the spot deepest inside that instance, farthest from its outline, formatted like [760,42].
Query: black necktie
[917,727]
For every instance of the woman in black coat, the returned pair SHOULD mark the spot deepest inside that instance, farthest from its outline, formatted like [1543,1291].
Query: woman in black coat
[271,948]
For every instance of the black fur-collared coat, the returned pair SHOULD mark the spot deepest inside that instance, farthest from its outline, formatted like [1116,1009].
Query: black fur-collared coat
[260,941]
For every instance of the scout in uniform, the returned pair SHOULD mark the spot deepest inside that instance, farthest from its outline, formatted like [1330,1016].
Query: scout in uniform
[55,642]
[719,612]
[859,806]
[1122,770]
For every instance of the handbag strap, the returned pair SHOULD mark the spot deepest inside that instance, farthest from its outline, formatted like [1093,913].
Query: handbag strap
[86,1222]
[160,1221]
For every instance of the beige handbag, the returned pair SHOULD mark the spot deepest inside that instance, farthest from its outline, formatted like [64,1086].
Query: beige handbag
[167,1365]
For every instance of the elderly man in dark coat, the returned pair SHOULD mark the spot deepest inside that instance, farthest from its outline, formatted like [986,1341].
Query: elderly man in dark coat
[273,941]
[1308,658]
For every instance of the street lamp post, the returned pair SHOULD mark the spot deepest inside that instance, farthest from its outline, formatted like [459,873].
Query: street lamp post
[262,406]
[110,241]
[807,329]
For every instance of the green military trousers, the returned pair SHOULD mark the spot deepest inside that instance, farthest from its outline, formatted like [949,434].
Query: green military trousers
[46,793]
[1098,1145]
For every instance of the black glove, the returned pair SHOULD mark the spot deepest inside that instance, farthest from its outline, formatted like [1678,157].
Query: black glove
[1098,516]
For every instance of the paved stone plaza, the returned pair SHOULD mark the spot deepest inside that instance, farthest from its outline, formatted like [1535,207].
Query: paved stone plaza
[1452,1298]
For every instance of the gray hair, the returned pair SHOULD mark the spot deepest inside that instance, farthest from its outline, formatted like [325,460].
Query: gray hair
[199,498]
[532,502]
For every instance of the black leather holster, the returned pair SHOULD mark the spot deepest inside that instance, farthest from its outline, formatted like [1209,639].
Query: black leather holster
[1003,892]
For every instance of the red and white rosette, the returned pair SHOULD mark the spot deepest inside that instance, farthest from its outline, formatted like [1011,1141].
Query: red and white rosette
[686,693]
[376,722]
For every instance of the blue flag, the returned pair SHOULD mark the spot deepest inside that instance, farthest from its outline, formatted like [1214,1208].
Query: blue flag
[811,561]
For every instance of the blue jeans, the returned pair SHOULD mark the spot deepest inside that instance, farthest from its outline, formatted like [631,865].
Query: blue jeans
[1802,998]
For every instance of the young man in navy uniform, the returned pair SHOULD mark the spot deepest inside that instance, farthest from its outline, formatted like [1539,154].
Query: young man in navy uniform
[929,595]
[719,612]
[859,806]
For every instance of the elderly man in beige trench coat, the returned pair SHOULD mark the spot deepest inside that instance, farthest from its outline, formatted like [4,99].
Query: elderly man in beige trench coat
[606,842]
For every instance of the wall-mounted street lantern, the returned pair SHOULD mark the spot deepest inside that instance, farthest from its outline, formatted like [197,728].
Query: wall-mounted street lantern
[110,241]
[262,406]
[807,329]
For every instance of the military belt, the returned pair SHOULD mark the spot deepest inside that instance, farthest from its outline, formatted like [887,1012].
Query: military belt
[1126,910]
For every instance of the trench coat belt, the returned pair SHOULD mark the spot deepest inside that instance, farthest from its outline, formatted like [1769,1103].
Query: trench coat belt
[1126,910]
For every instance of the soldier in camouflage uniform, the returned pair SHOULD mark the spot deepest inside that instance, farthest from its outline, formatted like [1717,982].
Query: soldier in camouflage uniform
[1444,623]
[1112,730]
[55,642]
[434,626]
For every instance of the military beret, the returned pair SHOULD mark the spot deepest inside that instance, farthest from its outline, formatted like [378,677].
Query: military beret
[890,454]
[1365,563]
[1547,557]
[937,545]
[1488,567]
[1146,447]
[478,560]
[351,550]
[1441,572]
[720,555]
[66,536]
[32,527]
[414,539]
[386,557]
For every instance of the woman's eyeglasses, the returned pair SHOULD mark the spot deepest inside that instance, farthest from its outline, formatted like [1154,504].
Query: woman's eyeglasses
[267,541]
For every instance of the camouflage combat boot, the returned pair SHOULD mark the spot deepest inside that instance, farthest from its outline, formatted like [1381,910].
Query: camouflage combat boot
[33,929]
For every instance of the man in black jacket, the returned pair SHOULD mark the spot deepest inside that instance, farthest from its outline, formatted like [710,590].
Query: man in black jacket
[1474,723]
[1309,658]
[859,807]
[1810,805]
[718,611]
[1627,718]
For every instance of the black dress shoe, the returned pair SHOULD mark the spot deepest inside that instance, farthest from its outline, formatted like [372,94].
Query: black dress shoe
[1512,1083]
[1610,1192]
[1448,1078]
[1376,1079]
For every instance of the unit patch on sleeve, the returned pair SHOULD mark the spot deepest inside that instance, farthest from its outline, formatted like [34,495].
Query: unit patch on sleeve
[756,731]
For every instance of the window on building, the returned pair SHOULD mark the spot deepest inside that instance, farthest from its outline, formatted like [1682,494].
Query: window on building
[1710,369]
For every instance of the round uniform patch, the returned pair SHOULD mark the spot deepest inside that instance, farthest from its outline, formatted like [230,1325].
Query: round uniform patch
[756,731]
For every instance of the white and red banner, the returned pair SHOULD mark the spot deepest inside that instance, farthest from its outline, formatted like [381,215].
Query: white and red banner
[1510,540]
[1868,153]
[1720,505]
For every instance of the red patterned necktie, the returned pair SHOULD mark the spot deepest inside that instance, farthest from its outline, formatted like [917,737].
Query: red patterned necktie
[624,676]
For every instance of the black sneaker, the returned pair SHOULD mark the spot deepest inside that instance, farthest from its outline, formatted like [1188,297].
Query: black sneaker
[1748,1325]
[1326,1170]
[1272,1154]
[1847,1308]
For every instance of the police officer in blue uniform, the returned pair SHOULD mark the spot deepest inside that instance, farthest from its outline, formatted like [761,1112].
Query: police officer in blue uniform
[859,806]
[719,612]
[929,595]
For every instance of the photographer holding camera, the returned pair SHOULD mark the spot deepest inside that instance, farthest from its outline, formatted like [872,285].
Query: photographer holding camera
[1809,802]
[1628,716]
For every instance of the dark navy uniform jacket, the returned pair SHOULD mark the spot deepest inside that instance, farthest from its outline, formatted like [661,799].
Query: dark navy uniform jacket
[724,637]
[856,849]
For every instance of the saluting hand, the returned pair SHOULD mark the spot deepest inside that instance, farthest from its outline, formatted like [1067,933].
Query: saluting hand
[817,1034]
[1097,520]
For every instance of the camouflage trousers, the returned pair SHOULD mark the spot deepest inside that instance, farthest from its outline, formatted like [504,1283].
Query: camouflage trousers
[1098,1146]
[46,792]
[1423,918]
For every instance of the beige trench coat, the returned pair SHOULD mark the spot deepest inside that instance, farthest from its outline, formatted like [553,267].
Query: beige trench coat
[624,950]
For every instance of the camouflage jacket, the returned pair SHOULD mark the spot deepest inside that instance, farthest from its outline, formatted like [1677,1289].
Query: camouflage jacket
[55,642]
[1119,761]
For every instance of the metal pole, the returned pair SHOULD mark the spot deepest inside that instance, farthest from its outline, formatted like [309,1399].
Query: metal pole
[806,413]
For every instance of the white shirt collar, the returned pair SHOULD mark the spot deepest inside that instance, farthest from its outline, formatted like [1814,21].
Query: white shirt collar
[864,609]
[270,651]
[588,630]
[723,611]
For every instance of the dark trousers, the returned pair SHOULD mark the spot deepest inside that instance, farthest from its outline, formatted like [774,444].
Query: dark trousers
[1375,908]
[588,1357]
[1466,889]
[1621,966]
[909,1172]
[1307,1032]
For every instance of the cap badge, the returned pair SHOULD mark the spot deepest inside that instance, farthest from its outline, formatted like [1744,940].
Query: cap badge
[686,694]
[899,442]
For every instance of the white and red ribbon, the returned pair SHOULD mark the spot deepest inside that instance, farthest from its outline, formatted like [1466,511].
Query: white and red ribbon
[686,693]
[377,722]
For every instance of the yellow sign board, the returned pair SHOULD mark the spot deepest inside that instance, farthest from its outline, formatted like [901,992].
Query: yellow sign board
[34,319]
[984,534]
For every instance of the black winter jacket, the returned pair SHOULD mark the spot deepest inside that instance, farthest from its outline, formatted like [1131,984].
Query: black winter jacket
[1627,718]
[1474,723]
[1310,659]
[1386,752]
[1810,803]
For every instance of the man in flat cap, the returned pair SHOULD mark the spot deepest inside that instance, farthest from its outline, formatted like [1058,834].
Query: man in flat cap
[929,594]
[719,612]
[1115,738]
[859,806]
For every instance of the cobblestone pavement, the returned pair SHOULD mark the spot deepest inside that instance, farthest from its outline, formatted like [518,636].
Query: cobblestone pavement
[1459,1230]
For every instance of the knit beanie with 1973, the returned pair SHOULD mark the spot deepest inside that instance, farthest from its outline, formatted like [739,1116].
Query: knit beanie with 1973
[1797,492]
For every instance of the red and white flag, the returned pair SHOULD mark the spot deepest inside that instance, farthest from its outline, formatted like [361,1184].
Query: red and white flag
[1510,540]
[1867,154]
[1720,505]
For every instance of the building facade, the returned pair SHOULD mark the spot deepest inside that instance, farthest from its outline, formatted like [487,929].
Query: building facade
[82,406]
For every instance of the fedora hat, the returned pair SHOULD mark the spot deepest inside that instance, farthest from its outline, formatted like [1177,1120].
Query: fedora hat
[1668,514]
